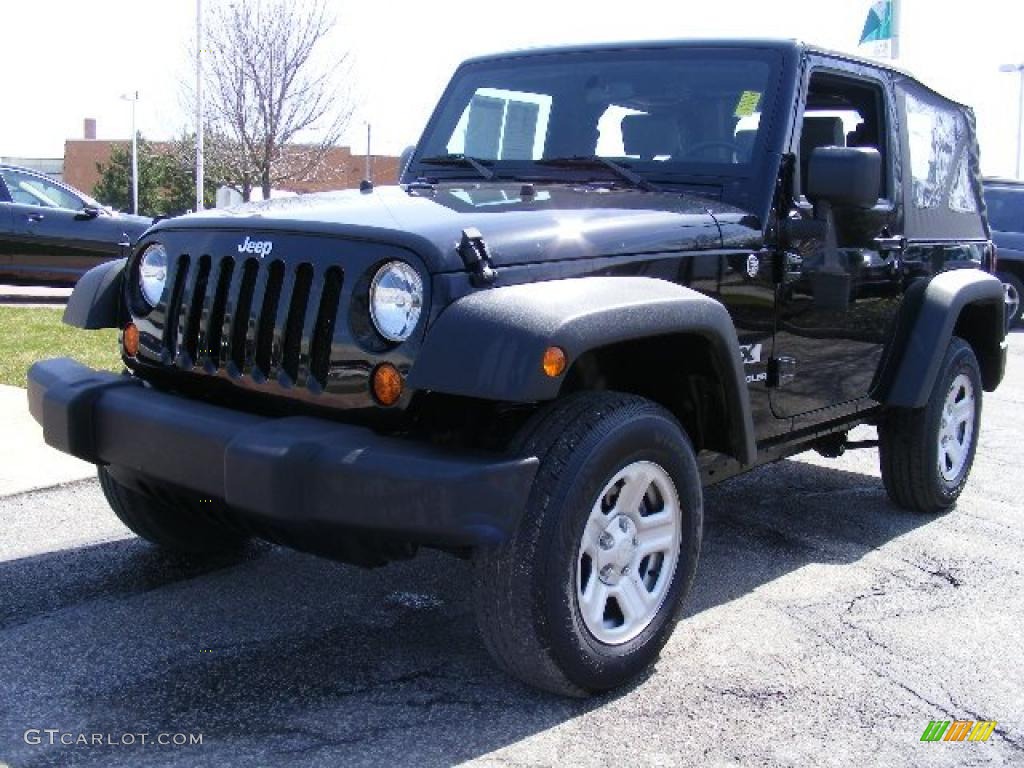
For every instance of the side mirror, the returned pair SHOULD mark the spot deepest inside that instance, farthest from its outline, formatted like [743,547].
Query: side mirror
[87,212]
[846,176]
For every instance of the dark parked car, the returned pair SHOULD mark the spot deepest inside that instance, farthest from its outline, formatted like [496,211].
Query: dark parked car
[53,234]
[1005,201]
[611,276]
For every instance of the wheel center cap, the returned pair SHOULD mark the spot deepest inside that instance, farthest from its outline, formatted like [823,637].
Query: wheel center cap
[618,545]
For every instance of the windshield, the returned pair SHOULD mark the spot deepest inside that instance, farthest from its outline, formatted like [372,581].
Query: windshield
[663,112]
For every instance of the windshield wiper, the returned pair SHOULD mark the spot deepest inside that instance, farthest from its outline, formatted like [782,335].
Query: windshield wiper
[596,161]
[459,159]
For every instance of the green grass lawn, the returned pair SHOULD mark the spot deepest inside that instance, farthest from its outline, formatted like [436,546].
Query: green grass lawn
[31,334]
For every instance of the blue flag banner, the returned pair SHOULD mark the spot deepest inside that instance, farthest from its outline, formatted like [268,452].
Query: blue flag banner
[878,25]
[879,36]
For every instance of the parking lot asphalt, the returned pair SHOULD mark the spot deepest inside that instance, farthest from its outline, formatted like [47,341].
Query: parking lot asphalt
[826,627]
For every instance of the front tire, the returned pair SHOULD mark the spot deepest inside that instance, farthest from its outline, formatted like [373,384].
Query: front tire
[926,454]
[174,520]
[587,591]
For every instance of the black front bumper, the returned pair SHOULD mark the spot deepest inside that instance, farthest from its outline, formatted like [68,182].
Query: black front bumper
[294,471]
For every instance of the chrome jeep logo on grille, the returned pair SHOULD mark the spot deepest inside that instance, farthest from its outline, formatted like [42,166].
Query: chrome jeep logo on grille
[261,247]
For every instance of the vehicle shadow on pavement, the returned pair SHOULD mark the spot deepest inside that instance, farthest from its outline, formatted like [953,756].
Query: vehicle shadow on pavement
[277,657]
[769,522]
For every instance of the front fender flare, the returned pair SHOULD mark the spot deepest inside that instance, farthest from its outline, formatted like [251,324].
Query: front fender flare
[490,344]
[96,301]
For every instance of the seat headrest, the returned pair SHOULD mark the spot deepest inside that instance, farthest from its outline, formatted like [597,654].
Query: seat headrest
[822,132]
[649,136]
[744,141]
[861,136]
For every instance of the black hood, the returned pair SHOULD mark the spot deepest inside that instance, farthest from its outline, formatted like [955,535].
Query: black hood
[556,222]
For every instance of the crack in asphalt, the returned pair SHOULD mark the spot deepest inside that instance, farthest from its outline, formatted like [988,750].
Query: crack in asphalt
[949,712]
[759,696]
[936,571]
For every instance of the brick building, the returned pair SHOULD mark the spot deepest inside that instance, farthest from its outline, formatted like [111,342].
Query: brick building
[340,170]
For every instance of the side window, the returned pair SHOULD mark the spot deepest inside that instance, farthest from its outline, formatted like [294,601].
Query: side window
[503,125]
[936,137]
[1005,209]
[844,112]
[29,189]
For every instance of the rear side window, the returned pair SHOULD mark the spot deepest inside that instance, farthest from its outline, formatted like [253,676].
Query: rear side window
[1005,209]
[940,162]
[937,139]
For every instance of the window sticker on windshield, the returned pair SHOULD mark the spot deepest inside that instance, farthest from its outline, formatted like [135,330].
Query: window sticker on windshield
[747,105]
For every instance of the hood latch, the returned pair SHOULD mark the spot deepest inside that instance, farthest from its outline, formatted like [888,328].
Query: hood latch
[474,254]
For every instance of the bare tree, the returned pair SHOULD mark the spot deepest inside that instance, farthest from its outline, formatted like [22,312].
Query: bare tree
[224,162]
[268,96]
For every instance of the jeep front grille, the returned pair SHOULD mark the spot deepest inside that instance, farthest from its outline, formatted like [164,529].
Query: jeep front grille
[266,320]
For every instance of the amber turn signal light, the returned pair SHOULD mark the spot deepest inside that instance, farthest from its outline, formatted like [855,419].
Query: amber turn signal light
[387,384]
[554,361]
[131,340]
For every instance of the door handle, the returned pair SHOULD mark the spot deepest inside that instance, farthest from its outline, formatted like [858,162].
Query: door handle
[34,217]
[893,243]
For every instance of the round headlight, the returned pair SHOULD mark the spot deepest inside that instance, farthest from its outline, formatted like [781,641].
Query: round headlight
[396,300]
[153,273]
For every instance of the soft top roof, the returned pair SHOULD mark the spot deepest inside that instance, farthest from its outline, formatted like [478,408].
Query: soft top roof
[781,44]
[696,42]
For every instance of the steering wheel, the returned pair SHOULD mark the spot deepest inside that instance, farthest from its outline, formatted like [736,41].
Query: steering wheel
[702,145]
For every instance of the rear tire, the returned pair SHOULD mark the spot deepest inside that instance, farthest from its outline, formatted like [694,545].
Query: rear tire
[172,519]
[926,453]
[587,591]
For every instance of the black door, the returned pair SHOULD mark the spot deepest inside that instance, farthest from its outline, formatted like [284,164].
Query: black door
[835,310]
[743,283]
[55,237]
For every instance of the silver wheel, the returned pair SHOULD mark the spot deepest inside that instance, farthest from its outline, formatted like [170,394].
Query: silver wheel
[1012,298]
[627,558]
[956,430]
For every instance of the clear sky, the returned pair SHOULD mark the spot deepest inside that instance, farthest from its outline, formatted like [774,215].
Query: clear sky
[67,59]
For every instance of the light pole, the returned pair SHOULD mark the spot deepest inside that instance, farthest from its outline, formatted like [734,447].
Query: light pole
[200,166]
[134,99]
[369,168]
[1019,69]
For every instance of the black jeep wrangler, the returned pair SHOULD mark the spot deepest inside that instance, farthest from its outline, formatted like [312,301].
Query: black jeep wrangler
[611,275]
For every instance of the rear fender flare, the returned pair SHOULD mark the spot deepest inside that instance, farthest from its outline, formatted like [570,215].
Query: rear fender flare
[964,302]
